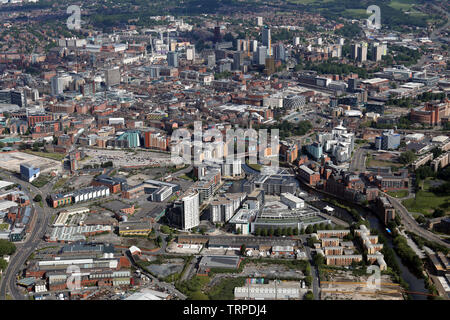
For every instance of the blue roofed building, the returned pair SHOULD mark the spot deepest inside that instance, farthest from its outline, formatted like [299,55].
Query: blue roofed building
[28,172]
[132,137]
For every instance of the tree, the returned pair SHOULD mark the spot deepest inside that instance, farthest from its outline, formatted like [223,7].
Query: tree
[392,225]
[257,232]
[7,248]
[309,229]
[243,248]
[107,164]
[278,232]
[309,296]
[37,198]
[271,231]
[3,264]
[238,230]
[315,228]
[289,231]
[318,260]
[421,219]
[308,269]
[23,146]
[311,242]
[164,229]
[308,280]
[424,172]
[264,232]
[198,295]
[158,241]
[407,157]
[436,153]
[438,213]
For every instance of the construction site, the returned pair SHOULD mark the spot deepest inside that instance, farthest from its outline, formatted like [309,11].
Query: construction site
[343,285]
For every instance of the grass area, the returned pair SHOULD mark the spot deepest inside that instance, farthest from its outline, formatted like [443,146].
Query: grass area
[186,177]
[41,181]
[4,226]
[302,1]
[49,155]
[357,13]
[379,163]
[404,5]
[174,169]
[426,201]
[193,288]
[224,290]
[424,242]
[398,194]
[45,248]
[254,166]
[60,183]
[173,198]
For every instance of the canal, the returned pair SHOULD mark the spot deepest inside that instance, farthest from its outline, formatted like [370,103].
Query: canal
[415,284]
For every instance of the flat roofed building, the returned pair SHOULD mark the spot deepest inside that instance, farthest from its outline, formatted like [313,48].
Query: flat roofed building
[332,233]
[4,184]
[128,228]
[342,260]
[28,172]
[292,201]
[210,262]
[274,290]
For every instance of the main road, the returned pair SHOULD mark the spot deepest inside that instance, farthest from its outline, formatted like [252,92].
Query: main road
[411,224]
[33,239]
[358,162]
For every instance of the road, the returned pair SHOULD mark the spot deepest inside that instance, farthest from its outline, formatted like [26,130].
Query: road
[411,224]
[314,274]
[182,171]
[190,270]
[33,239]
[359,160]
[167,286]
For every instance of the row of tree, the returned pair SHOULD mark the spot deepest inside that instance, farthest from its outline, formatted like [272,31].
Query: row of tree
[276,232]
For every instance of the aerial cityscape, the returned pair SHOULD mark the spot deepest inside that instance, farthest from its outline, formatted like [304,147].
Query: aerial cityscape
[224,150]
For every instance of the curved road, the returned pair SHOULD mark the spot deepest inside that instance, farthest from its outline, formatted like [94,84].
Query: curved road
[34,238]
[411,224]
